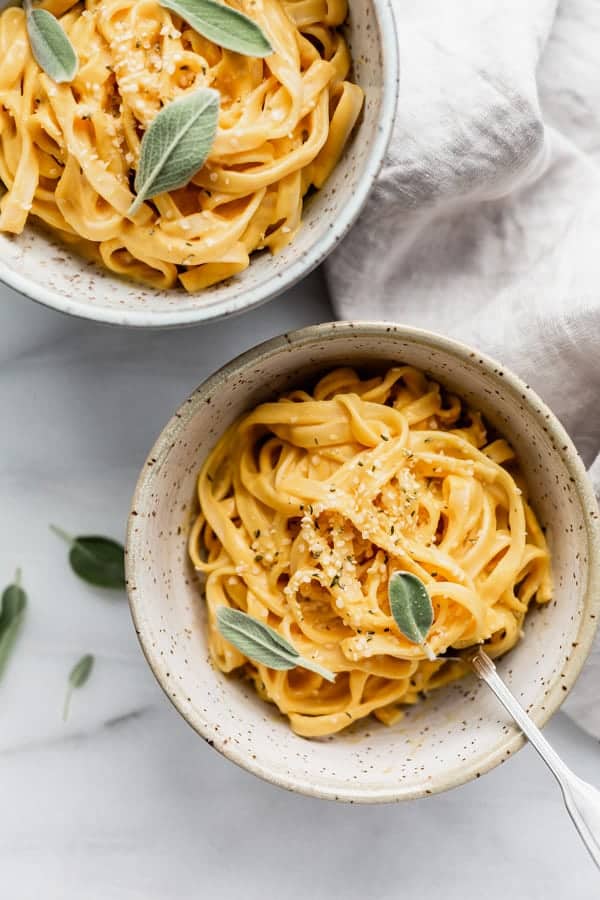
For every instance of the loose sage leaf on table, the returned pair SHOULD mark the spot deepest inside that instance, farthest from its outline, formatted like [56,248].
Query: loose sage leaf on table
[223,25]
[262,643]
[411,607]
[176,144]
[50,46]
[14,601]
[98,560]
[78,676]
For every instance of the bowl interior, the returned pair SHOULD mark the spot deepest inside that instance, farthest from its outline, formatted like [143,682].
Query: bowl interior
[458,732]
[59,278]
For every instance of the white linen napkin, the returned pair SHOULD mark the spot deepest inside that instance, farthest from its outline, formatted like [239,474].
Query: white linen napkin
[485,222]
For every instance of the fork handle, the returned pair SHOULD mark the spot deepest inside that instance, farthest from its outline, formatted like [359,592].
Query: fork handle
[581,799]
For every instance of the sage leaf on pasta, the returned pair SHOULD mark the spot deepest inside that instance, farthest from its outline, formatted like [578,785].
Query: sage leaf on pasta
[98,560]
[411,607]
[262,643]
[176,144]
[222,25]
[12,611]
[51,48]
[78,676]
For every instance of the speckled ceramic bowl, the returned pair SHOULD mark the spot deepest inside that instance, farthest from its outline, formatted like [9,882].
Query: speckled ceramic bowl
[47,272]
[459,732]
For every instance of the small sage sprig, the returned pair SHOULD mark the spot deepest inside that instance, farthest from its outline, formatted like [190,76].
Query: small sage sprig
[262,643]
[51,48]
[411,607]
[78,676]
[97,560]
[176,144]
[223,25]
[12,611]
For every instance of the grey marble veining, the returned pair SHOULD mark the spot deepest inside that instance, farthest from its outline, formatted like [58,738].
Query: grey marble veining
[124,801]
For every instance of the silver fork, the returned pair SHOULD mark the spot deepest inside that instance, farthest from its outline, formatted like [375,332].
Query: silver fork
[581,799]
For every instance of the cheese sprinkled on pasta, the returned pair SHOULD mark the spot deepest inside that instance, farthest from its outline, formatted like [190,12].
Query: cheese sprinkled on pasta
[68,152]
[310,503]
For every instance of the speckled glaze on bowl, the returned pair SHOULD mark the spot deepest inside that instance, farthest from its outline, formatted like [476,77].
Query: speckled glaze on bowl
[46,271]
[457,733]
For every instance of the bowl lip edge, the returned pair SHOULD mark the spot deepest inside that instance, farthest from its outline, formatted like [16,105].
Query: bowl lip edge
[273,285]
[573,662]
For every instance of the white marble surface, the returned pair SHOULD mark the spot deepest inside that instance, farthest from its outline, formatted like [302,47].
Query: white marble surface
[125,801]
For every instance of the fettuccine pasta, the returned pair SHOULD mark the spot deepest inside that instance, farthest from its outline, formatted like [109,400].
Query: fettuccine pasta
[310,503]
[68,152]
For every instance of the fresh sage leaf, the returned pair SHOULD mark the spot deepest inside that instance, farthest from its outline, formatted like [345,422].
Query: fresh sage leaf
[411,607]
[176,144]
[78,676]
[12,611]
[223,25]
[50,46]
[262,643]
[98,560]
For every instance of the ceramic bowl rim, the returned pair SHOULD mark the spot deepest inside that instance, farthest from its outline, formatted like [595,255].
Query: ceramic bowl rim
[506,745]
[251,298]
